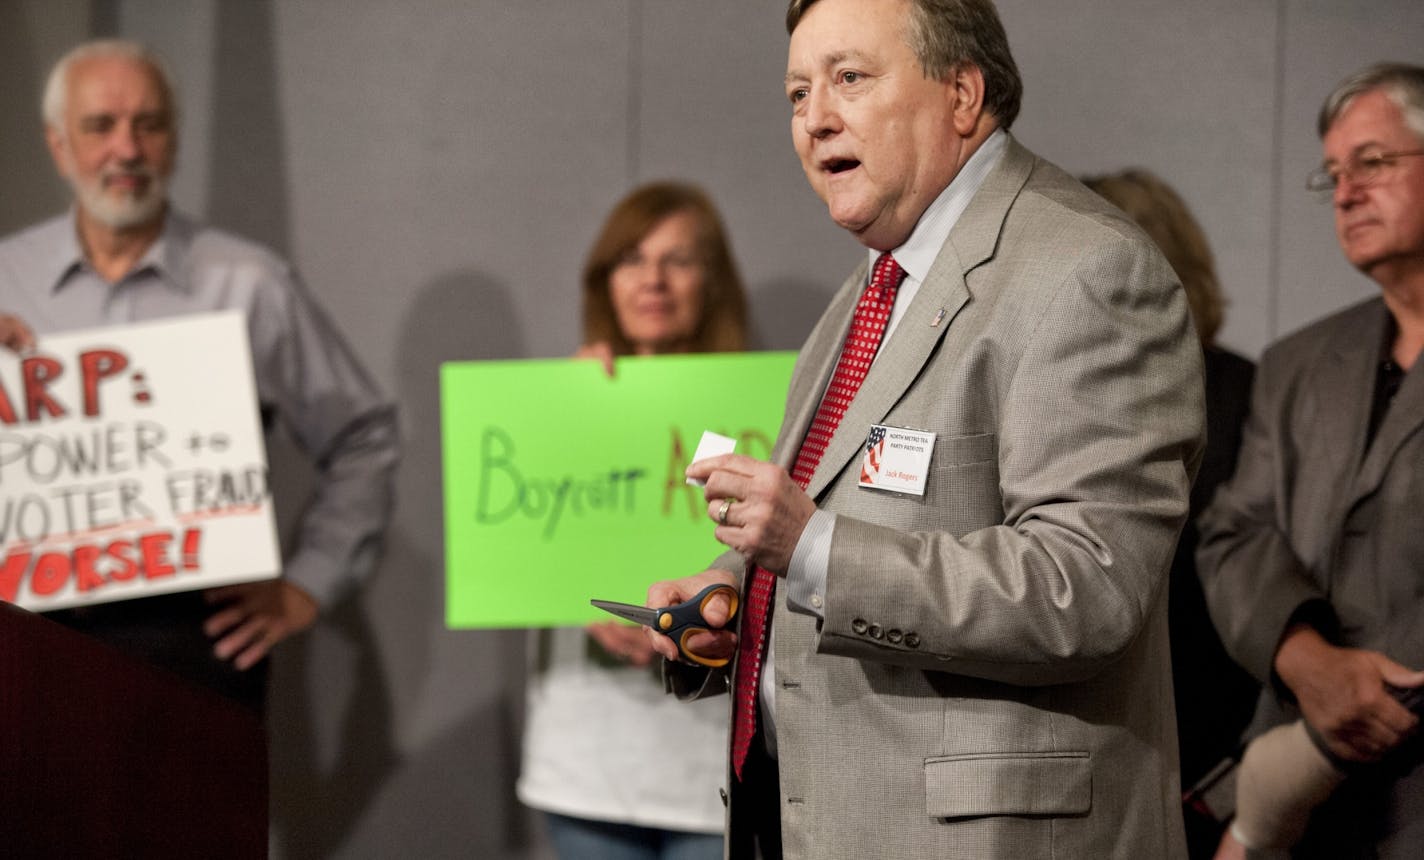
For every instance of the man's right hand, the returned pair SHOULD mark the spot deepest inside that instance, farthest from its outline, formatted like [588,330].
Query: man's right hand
[716,643]
[1342,694]
[15,335]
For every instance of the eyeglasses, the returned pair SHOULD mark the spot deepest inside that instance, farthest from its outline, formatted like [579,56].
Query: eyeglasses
[1362,170]
[675,261]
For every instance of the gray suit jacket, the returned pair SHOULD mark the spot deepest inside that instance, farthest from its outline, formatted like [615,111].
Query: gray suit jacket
[1310,515]
[991,678]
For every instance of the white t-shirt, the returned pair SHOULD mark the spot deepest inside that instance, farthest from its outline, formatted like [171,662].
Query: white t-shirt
[603,741]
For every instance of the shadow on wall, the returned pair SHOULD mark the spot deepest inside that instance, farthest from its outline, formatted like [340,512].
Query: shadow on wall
[453,796]
[460,316]
[247,174]
[383,665]
[329,721]
[784,312]
[32,190]
[329,714]
[330,733]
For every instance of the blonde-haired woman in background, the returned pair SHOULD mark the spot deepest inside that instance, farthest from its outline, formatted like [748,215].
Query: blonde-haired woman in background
[1215,696]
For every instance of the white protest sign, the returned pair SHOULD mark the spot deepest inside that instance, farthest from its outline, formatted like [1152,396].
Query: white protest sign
[132,463]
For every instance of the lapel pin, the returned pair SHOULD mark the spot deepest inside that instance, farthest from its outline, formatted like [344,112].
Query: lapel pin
[938,318]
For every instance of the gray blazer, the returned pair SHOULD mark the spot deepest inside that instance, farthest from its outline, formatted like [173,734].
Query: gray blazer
[1311,515]
[991,678]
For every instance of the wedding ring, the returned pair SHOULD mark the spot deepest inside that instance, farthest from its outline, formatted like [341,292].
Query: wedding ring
[722,511]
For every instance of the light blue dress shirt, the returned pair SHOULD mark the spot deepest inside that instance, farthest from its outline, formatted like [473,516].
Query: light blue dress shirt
[307,377]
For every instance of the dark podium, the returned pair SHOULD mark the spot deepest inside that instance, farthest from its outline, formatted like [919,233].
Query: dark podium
[104,756]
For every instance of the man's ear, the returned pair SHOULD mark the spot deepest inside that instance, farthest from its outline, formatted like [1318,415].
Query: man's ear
[58,150]
[967,90]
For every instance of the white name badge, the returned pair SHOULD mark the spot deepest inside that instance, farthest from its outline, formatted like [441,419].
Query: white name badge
[896,459]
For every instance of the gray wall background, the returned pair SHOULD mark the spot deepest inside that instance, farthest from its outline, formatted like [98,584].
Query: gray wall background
[437,169]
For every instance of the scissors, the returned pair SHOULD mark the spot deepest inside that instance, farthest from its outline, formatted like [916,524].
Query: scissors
[677,622]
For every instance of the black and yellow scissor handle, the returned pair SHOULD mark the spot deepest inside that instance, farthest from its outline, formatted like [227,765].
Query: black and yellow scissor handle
[683,620]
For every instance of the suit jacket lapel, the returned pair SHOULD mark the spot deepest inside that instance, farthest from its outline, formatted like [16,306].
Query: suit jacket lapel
[972,241]
[1342,399]
[1404,419]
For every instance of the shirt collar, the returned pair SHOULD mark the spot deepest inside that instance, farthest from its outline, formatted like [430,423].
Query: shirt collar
[68,256]
[918,253]
[164,257]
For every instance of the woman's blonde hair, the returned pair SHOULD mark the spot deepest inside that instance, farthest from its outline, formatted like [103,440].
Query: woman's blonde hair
[1162,215]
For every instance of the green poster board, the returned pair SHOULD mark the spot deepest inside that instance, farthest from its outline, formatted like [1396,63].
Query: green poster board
[563,485]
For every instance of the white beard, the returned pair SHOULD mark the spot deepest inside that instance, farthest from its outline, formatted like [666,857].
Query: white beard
[124,212]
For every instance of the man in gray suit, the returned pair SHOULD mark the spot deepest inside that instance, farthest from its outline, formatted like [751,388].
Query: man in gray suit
[976,491]
[1312,556]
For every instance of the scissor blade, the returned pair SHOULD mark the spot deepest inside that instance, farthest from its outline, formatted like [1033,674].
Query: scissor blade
[628,611]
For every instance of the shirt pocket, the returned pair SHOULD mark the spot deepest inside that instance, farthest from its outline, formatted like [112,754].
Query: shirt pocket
[1036,783]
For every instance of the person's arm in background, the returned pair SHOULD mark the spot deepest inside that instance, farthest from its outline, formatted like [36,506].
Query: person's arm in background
[308,377]
[1283,777]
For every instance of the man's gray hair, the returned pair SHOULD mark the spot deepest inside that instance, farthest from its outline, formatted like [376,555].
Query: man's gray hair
[56,91]
[1402,83]
[945,34]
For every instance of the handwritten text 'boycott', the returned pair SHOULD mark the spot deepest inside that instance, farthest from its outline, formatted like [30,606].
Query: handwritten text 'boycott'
[509,489]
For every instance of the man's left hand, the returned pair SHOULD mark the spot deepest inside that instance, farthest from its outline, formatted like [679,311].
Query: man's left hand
[255,616]
[767,510]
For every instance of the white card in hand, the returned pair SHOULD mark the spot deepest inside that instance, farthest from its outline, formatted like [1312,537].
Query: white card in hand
[711,445]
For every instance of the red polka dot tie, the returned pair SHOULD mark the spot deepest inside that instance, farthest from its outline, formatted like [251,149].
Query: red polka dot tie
[867,327]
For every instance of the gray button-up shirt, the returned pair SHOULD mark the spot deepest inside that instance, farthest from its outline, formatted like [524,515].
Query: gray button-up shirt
[307,376]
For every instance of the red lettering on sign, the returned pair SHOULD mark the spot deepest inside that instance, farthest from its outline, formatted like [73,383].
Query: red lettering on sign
[122,552]
[86,571]
[17,561]
[38,372]
[7,409]
[50,574]
[154,550]
[95,365]
[95,566]
[190,548]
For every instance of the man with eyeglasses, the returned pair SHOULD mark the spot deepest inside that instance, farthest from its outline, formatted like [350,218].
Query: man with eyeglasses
[1312,556]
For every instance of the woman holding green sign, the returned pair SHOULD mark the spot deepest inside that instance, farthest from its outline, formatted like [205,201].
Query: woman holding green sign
[659,280]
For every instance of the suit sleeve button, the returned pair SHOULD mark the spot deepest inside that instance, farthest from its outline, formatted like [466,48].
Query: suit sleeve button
[894,636]
[912,640]
[859,625]
[876,632]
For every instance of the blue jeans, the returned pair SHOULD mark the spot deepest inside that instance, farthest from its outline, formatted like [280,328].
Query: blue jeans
[582,839]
